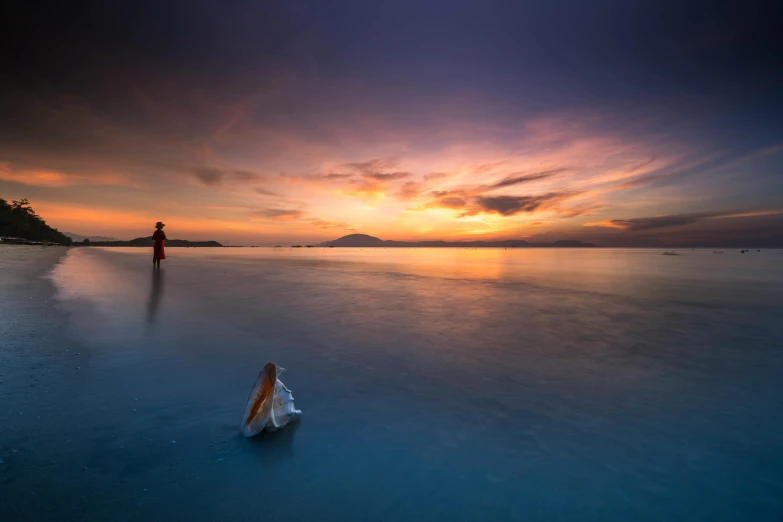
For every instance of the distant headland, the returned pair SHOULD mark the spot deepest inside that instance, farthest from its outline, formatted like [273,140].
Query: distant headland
[363,240]
[148,242]
[20,225]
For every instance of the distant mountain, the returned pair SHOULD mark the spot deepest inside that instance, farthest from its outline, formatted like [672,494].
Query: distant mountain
[355,240]
[363,240]
[148,242]
[79,238]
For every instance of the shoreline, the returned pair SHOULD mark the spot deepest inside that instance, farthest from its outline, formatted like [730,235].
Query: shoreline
[39,364]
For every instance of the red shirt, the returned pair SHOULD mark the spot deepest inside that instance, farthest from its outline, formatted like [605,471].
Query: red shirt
[157,248]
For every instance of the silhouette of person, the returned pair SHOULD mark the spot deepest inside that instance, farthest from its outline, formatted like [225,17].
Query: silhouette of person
[158,252]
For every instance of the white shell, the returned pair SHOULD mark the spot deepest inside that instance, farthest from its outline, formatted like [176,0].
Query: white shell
[270,405]
[283,410]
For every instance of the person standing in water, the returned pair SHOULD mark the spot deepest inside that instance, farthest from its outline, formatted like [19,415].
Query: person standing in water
[157,249]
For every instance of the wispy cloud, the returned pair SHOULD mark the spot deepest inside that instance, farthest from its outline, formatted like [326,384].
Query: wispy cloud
[372,165]
[324,224]
[518,179]
[298,215]
[451,202]
[377,169]
[471,203]
[675,220]
[472,200]
[510,205]
[213,176]
[387,176]
[513,205]
[371,178]
[650,223]
[209,175]
[54,178]
[490,166]
[283,214]
[410,190]
[265,192]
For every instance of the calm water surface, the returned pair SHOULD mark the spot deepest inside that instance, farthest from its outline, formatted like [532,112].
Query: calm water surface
[435,384]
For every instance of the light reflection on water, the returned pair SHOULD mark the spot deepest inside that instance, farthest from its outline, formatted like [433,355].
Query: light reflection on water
[632,272]
[156,293]
[457,384]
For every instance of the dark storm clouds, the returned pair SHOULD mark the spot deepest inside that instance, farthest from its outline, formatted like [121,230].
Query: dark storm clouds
[691,55]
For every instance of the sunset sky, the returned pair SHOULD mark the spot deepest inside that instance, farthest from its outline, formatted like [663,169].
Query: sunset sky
[618,122]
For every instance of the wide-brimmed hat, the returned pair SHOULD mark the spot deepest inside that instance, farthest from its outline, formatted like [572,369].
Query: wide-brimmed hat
[159,225]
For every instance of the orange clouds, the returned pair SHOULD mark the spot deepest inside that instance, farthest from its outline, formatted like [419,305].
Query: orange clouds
[445,178]
[560,172]
[565,171]
[373,178]
[69,217]
[52,178]
[608,223]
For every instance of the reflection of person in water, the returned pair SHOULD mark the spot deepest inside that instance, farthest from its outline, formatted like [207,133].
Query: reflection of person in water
[156,293]
[157,249]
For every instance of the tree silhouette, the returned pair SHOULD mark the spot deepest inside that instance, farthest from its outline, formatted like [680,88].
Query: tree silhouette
[23,206]
[18,219]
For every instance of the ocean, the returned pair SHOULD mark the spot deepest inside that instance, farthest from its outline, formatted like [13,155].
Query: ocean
[435,384]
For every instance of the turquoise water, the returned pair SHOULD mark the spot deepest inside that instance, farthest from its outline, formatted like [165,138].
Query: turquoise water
[523,384]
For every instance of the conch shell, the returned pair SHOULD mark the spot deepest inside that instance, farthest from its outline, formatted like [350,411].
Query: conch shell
[270,405]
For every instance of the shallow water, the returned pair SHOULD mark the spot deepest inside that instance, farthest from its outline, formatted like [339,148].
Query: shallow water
[435,384]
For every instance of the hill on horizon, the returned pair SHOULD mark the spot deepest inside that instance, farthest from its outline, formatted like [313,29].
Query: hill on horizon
[148,242]
[364,240]
[79,238]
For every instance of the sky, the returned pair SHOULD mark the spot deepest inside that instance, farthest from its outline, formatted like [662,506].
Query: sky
[623,123]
